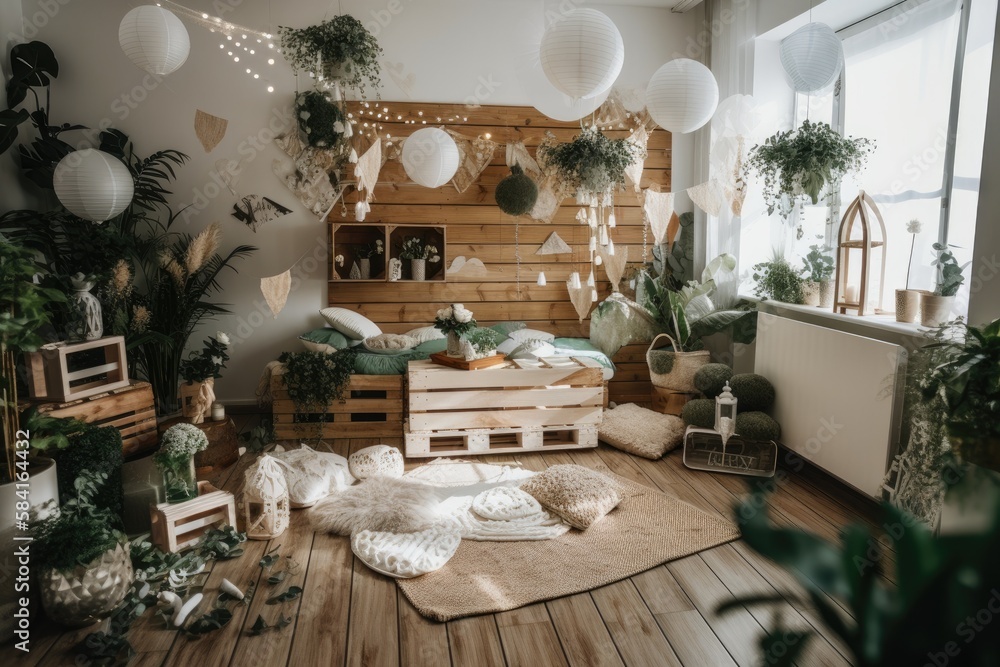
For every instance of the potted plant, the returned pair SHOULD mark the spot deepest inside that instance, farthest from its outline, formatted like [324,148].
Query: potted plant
[454,321]
[805,162]
[817,288]
[314,380]
[935,307]
[82,558]
[592,163]
[175,459]
[365,253]
[480,343]
[777,280]
[418,253]
[908,300]
[340,49]
[199,372]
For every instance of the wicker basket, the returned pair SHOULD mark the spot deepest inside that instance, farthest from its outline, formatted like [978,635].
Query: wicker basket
[680,366]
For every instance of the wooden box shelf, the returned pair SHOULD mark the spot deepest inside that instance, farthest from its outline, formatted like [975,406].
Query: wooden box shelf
[349,240]
[435,236]
[180,526]
[70,371]
[372,407]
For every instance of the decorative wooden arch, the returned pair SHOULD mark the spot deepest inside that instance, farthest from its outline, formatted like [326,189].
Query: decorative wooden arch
[846,246]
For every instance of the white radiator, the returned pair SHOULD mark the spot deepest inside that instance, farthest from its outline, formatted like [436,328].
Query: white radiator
[839,396]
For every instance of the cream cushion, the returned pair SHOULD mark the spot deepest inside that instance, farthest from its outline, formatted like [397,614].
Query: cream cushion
[389,343]
[376,461]
[522,335]
[424,334]
[580,496]
[640,431]
[351,324]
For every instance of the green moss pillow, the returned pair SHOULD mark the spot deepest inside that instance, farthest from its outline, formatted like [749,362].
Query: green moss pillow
[326,340]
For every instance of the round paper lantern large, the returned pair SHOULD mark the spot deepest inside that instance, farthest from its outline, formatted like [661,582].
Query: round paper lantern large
[812,57]
[154,39]
[583,53]
[93,185]
[430,157]
[543,95]
[682,95]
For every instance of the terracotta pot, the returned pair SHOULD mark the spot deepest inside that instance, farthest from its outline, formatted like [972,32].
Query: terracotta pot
[826,294]
[935,310]
[810,293]
[907,305]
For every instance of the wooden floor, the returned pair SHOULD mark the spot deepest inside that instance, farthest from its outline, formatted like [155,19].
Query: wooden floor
[348,615]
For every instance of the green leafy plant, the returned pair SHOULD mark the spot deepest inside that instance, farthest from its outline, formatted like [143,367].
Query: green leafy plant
[259,437]
[804,161]
[315,379]
[483,340]
[369,250]
[592,162]
[208,362]
[777,280]
[941,584]
[818,264]
[341,43]
[319,118]
[949,277]
[415,247]
[516,194]
[93,449]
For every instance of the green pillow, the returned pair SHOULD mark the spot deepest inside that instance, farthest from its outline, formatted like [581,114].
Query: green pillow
[581,347]
[326,340]
[504,328]
[430,347]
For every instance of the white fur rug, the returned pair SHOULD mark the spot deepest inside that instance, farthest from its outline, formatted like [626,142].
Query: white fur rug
[380,504]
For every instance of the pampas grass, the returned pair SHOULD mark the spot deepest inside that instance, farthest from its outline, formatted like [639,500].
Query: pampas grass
[381,504]
[202,247]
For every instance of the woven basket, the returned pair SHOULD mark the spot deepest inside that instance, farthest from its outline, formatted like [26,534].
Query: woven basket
[679,367]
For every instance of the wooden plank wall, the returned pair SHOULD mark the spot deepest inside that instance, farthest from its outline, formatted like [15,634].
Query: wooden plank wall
[477,228]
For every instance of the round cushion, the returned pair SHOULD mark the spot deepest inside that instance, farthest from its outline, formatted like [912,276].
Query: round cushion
[388,343]
[505,503]
[405,555]
[376,461]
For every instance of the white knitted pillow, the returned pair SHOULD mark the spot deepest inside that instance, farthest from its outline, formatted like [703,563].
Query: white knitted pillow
[376,461]
[312,476]
[351,324]
[505,503]
[405,555]
[639,431]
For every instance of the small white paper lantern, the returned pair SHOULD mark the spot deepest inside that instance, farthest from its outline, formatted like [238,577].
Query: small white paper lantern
[682,95]
[154,39]
[583,53]
[265,500]
[93,185]
[430,157]
[812,57]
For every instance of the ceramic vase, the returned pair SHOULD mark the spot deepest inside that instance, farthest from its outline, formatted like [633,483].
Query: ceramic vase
[810,293]
[826,293]
[86,323]
[179,481]
[935,310]
[454,344]
[418,269]
[907,305]
[365,267]
[87,593]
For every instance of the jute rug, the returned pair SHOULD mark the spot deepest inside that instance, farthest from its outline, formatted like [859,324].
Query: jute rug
[647,529]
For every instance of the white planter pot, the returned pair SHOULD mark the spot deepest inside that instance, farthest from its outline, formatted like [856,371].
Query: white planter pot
[935,310]
[810,293]
[826,294]
[365,266]
[418,269]
[907,305]
[87,593]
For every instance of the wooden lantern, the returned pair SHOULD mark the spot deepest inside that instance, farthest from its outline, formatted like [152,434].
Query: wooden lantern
[860,249]
[265,503]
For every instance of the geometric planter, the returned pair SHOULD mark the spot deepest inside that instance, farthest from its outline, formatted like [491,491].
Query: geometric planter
[87,593]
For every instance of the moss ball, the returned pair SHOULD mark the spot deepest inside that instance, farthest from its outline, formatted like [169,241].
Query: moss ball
[699,412]
[517,193]
[757,426]
[711,379]
[752,392]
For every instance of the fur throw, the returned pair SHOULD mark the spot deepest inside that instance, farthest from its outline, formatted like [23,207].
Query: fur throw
[381,504]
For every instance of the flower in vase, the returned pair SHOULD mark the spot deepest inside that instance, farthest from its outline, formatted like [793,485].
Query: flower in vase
[222,337]
[913,226]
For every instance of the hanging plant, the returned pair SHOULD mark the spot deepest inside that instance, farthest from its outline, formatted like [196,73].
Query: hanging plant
[320,119]
[592,162]
[804,161]
[516,194]
[315,379]
[340,48]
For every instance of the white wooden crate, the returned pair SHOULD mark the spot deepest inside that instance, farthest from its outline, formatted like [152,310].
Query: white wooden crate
[524,405]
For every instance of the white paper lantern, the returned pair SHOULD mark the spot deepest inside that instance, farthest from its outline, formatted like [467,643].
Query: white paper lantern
[430,157]
[812,57]
[93,185]
[154,39]
[583,53]
[682,95]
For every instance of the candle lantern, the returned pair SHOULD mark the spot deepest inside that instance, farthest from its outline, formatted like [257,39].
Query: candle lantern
[265,503]
[725,414]
[860,255]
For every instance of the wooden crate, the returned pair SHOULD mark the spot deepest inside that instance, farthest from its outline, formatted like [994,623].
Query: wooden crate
[631,382]
[371,408]
[130,409]
[670,402]
[50,377]
[179,526]
[521,406]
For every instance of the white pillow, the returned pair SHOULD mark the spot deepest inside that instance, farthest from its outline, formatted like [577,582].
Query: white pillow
[313,346]
[531,349]
[351,324]
[405,555]
[522,335]
[424,334]
[376,461]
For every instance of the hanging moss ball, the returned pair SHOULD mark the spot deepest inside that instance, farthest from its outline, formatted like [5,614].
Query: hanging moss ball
[757,426]
[699,412]
[711,379]
[318,116]
[752,392]
[516,194]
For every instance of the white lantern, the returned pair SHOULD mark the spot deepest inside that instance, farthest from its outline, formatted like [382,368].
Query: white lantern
[264,502]
[583,53]
[725,414]
[682,95]
[812,57]
[430,157]
[154,39]
[93,185]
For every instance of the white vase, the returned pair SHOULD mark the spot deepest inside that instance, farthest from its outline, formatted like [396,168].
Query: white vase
[418,269]
[454,344]
[365,267]
[935,309]
[907,305]
[86,323]
[825,293]
[810,293]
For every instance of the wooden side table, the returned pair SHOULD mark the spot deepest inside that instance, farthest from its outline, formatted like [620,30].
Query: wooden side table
[223,444]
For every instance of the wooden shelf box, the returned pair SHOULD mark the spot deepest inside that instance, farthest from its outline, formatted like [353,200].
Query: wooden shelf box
[435,236]
[349,240]
[372,407]
[69,371]
[179,526]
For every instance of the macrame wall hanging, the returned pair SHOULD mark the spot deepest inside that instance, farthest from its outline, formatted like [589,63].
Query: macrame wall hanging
[209,129]
[275,290]
[366,172]
[474,155]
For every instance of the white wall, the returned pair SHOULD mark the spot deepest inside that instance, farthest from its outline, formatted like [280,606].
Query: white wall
[447,46]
